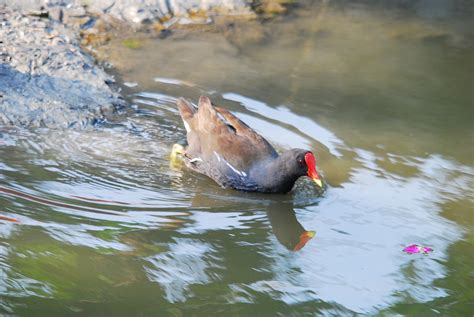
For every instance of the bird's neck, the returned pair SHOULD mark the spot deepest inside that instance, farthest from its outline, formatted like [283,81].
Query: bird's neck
[273,176]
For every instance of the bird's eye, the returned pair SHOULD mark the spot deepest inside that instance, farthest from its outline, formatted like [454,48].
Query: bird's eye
[300,162]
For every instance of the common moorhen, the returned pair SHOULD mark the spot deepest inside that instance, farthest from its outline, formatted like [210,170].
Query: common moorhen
[227,150]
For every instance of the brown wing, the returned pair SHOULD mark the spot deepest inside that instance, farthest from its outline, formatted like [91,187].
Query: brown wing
[241,128]
[218,130]
[186,110]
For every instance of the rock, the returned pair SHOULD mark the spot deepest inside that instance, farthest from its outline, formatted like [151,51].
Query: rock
[56,14]
[271,8]
[130,11]
[153,10]
[45,78]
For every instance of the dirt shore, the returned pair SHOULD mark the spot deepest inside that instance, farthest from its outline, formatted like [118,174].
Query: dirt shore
[47,76]
[46,80]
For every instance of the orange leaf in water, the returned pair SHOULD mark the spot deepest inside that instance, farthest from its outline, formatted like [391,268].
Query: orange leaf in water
[8,219]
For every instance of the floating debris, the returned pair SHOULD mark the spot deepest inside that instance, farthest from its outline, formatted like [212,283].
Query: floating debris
[415,248]
[10,219]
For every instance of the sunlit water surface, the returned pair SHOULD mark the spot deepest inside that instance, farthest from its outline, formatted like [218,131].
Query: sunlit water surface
[382,95]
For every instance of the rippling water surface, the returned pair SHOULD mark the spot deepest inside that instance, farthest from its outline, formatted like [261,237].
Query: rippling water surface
[97,222]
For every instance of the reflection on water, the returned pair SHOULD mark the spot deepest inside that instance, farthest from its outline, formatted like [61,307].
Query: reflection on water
[286,227]
[383,96]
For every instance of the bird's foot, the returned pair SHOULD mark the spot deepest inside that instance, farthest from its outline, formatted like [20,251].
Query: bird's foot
[176,155]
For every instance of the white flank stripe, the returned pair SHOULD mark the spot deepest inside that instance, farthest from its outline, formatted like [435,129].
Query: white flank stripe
[186,126]
[196,159]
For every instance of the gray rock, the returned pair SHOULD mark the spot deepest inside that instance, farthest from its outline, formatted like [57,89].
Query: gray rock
[45,78]
[150,10]
[131,11]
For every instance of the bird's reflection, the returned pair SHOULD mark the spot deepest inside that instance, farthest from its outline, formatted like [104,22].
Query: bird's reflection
[280,211]
[286,227]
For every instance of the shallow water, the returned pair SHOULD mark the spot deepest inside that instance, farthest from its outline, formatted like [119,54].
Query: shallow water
[383,96]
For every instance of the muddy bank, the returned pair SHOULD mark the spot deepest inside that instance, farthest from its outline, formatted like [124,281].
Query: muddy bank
[45,78]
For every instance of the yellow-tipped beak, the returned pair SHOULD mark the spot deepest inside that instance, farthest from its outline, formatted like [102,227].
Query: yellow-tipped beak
[318,182]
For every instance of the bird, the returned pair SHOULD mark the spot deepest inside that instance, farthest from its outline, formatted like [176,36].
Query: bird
[227,150]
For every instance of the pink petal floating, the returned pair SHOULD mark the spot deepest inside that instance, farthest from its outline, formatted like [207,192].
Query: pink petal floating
[415,248]
[426,250]
[412,249]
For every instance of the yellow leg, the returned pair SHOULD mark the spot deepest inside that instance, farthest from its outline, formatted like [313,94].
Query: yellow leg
[176,152]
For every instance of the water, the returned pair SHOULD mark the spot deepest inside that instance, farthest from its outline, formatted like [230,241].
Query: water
[383,96]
